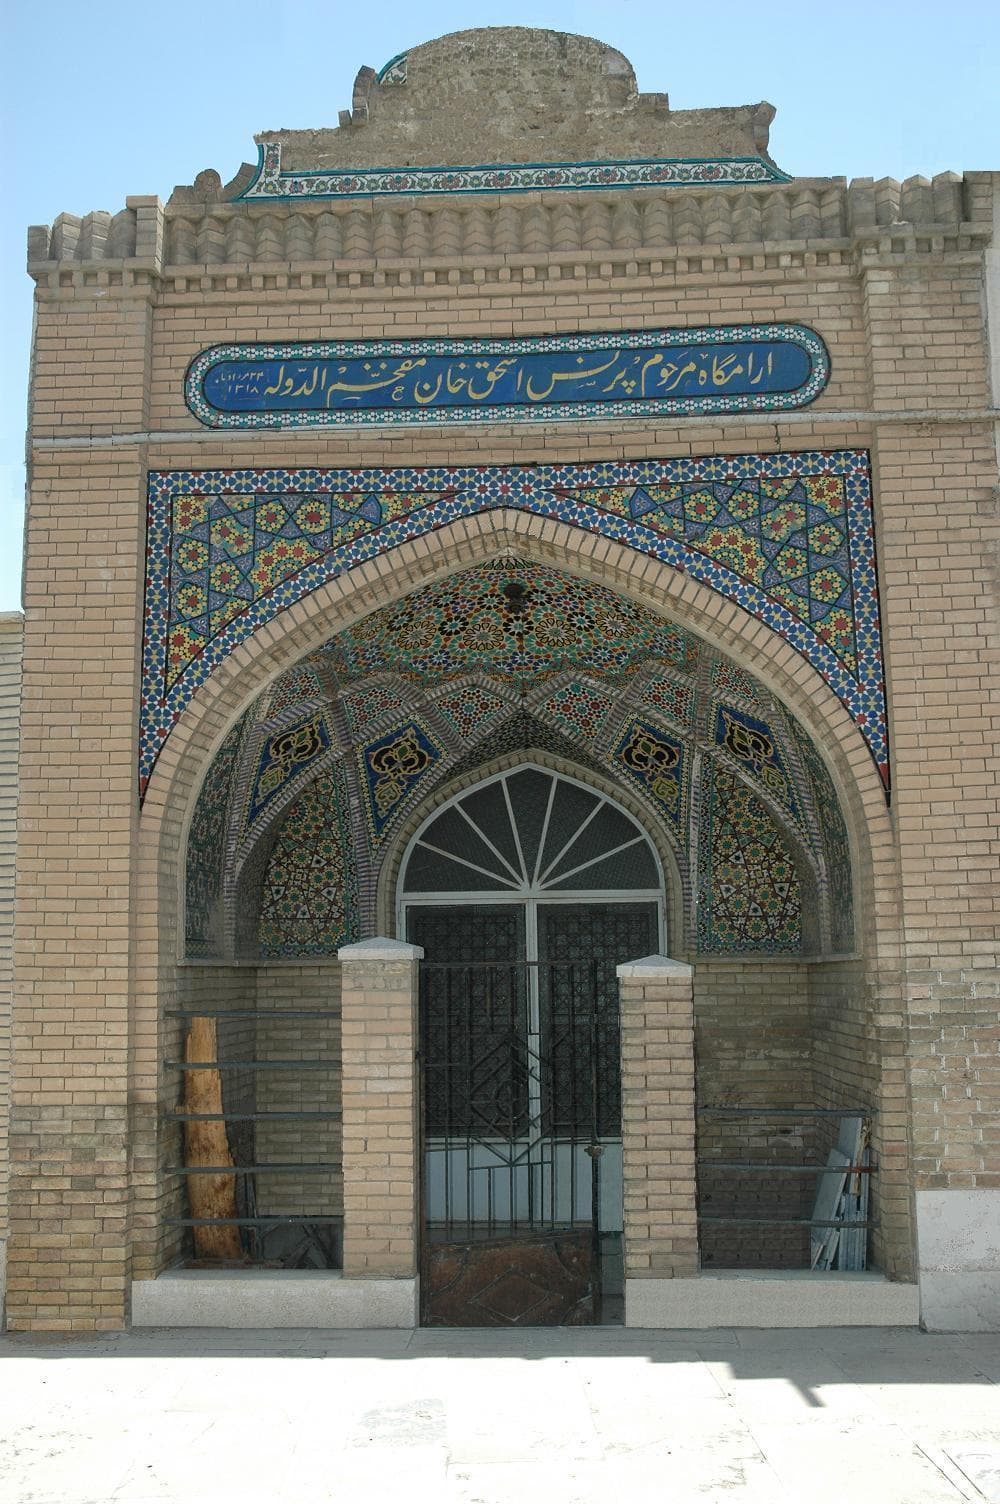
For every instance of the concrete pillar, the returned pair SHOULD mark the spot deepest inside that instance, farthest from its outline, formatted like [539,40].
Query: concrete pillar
[658,1121]
[381,1132]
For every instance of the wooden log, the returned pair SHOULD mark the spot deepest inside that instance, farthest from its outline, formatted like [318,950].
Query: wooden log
[207,1144]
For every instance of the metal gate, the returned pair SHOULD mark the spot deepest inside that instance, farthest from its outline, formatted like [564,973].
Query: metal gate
[521,1188]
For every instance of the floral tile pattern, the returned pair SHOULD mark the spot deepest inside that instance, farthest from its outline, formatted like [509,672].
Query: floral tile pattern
[789,537]
[271,183]
[753,744]
[391,768]
[657,765]
[283,756]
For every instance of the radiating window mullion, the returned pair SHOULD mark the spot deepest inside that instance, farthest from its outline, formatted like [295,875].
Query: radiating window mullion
[553,785]
[572,841]
[513,825]
[487,842]
[625,846]
[450,856]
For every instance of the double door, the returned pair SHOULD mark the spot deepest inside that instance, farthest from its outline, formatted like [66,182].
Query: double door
[520,1056]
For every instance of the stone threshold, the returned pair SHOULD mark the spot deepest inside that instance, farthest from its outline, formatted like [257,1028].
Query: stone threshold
[261,1299]
[770,1298]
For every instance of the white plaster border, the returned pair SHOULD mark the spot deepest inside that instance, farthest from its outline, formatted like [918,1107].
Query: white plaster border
[255,1299]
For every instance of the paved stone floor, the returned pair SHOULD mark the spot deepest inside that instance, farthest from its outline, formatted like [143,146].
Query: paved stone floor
[857,1416]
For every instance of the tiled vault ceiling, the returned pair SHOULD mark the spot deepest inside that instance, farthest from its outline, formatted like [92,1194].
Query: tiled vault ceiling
[307,795]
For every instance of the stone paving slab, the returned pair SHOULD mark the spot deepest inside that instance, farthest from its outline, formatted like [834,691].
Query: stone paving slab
[569,1417]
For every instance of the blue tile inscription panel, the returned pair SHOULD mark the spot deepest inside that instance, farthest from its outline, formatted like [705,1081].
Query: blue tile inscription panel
[645,373]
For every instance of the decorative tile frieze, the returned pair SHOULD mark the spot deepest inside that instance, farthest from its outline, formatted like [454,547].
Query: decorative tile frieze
[789,537]
[272,184]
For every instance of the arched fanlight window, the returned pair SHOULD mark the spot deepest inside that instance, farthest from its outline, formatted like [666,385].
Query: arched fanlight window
[530,833]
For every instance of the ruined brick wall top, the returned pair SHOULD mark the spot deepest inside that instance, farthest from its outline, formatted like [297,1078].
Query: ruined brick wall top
[515,94]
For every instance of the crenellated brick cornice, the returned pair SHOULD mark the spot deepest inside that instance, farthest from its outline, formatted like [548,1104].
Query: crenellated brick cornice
[492,237]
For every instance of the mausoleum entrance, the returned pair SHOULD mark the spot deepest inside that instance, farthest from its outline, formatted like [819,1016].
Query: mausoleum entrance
[535,779]
[525,893]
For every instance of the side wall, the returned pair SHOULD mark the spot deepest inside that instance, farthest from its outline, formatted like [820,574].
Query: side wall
[11,625]
[315,987]
[753,1048]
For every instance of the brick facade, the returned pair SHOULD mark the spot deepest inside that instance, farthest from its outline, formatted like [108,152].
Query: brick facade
[892,278]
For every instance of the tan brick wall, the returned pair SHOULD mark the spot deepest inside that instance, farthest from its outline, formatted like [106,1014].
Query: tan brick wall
[10,700]
[314,986]
[754,1048]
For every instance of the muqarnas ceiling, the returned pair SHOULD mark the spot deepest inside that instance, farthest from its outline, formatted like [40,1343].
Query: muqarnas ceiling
[313,789]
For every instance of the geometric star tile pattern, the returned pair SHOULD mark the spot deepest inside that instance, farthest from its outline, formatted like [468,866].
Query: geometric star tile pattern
[206,846]
[750,898]
[788,536]
[309,902]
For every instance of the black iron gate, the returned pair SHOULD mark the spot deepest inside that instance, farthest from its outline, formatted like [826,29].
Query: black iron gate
[521,1109]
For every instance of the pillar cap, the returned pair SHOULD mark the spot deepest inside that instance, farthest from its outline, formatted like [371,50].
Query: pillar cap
[657,966]
[380,948]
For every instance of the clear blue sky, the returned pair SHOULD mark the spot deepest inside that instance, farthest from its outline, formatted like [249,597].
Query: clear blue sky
[112,98]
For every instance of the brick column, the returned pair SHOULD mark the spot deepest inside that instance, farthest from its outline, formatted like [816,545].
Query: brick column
[381,1138]
[657,1023]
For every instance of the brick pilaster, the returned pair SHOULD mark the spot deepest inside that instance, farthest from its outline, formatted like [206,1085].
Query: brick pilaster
[658,1122]
[379,1002]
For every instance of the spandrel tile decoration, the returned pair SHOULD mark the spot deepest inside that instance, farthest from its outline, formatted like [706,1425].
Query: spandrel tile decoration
[788,536]
[505,827]
[766,368]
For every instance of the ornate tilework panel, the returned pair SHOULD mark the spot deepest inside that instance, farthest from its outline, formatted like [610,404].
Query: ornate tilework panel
[672,697]
[294,686]
[206,851]
[729,680]
[749,896]
[753,743]
[639,373]
[229,549]
[836,847]
[283,756]
[523,732]
[310,902]
[657,765]
[788,536]
[367,702]
[464,624]
[470,709]
[577,708]
[391,768]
